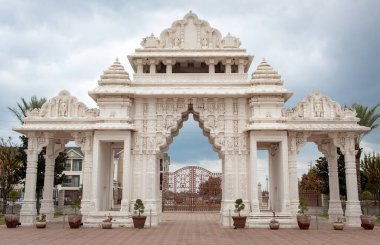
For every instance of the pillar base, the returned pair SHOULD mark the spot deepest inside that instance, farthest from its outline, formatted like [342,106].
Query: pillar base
[87,206]
[28,213]
[294,207]
[124,205]
[353,213]
[335,210]
[47,207]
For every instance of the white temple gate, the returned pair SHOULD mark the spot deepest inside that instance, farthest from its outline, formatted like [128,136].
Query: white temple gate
[191,68]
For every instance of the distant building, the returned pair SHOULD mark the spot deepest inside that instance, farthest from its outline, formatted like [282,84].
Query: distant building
[69,190]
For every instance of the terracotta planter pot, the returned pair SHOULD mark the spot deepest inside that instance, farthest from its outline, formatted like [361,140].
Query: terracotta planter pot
[303,221]
[12,220]
[40,224]
[368,221]
[139,221]
[338,225]
[107,225]
[75,220]
[274,225]
[239,221]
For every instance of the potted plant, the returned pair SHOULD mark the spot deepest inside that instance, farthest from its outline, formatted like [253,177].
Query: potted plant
[338,224]
[41,221]
[367,221]
[12,220]
[139,220]
[75,219]
[274,224]
[303,220]
[106,223]
[239,221]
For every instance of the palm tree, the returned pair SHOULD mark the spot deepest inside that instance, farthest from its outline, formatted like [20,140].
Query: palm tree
[368,117]
[24,106]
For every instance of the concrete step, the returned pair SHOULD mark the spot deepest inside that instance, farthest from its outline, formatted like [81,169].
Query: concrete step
[118,219]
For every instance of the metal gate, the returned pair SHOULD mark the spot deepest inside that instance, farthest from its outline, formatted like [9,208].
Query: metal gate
[192,189]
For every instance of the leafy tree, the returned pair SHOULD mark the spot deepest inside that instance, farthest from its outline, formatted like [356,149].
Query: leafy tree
[311,181]
[371,169]
[9,164]
[20,113]
[368,118]
[323,173]
[211,187]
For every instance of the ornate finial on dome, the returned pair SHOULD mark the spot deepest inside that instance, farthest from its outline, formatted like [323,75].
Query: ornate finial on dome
[230,42]
[115,75]
[150,42]
[266,75]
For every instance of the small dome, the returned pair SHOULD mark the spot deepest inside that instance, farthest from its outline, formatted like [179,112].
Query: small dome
[266,75]
[115,75]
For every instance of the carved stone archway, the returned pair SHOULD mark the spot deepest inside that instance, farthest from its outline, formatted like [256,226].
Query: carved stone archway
[191,68]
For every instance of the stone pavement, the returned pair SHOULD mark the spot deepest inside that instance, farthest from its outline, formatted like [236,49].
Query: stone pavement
[187,228]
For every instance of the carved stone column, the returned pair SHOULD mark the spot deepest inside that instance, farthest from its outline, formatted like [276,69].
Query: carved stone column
[28,210]
[253,174]
[85,141]
[346,142]
[228,66]
[47,202]
[211,66]
[295,142]
[329,151]
[152,64]
[241,65]
[169,65]
[127,174]
[139,65]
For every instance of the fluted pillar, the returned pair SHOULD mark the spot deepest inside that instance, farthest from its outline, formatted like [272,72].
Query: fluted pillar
[335,205]
[127,174]
[28,210]
[47,202]
[346,142]
[253,174]
[295,142]
[85,141]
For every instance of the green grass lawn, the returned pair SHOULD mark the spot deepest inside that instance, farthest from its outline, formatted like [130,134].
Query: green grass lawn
[57,215]
[377,223]
[2,222]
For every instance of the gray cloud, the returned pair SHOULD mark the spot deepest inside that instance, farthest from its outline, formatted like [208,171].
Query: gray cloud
[330,45]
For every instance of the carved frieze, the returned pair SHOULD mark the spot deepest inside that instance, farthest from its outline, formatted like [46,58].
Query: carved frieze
[63,106]
[318,106]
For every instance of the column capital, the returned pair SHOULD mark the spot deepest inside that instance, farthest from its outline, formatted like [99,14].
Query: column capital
[168,61]
[345,141]
[211,62]
[84,140]
[297,140]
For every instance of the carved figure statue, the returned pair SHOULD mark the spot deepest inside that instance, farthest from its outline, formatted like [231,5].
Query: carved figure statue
[318,109]
[177,42]
[62,112]
[204,42]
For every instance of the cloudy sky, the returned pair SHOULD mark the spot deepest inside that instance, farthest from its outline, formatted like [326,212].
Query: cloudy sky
[330,45]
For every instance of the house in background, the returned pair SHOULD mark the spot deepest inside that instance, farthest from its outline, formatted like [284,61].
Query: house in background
[69,190]
[71,185]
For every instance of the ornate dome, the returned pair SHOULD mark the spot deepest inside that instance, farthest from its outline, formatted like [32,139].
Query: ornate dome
[266,75]
[115,75]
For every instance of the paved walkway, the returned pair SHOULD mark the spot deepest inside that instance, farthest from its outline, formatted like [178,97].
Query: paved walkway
[187,228]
